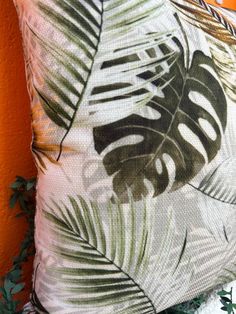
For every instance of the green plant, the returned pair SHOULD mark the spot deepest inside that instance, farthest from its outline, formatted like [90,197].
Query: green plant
[191,306]
[23,193]
[226,298]
[188,307]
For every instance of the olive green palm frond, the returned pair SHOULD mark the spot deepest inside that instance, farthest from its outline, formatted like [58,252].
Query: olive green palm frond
[228,271]
[224,58]
[222,46]
[42,147]
[209,19]
[104,269]
[112,261]
[219,184]
[97,33]
[108,256]
[228,274]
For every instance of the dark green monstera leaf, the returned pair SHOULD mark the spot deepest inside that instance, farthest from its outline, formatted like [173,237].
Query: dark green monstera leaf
[185,132]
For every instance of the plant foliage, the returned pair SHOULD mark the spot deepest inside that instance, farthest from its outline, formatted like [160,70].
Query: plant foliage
[23,193]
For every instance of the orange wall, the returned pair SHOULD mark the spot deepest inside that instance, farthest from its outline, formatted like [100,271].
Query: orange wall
[230,4]
[15,136]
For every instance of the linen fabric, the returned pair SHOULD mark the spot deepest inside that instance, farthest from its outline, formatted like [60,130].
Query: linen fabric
[133,120]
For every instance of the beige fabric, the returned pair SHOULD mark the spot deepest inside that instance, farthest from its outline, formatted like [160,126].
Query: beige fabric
[133,116]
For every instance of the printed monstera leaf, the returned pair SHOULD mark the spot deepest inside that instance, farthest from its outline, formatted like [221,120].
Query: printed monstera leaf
[184,128]
[220,29]
[113,68]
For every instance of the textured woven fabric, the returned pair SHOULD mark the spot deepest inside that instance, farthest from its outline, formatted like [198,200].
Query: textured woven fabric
[133,119]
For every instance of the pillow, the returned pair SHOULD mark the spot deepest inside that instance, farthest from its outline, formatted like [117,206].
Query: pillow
[133,120]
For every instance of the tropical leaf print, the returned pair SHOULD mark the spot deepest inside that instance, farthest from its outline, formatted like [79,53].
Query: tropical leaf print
[219,184]
[103,273]
[221,36]
[85,36]
[224,58]
[163,135]
[229,274]
[101,33]
[105,261]
[209,19]
[42,130]
[122,258]
[128,100]
[44,146]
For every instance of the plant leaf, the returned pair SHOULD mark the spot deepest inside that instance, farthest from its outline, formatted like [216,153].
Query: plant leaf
[209,19]
[224,57]
[101,267]
[220,182]
[161,136]
[103,278]
[14,198]
[225,299]
[17,288]
[223,293]
[230,308]
[89,31]
[224,308]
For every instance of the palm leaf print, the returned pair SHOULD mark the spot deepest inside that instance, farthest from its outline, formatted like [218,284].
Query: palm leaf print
[229,274]
[103,266]
[224,58]
[107,257]
[210,20]
[162,134]
[42,130]
[219,183]
[107,254]
[89,26]
[39,147]
[220,28]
